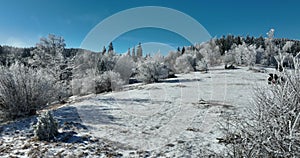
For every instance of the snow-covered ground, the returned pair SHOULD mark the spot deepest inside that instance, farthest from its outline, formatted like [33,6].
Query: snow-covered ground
[178,117]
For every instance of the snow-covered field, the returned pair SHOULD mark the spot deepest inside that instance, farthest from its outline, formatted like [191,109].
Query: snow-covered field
[178,117]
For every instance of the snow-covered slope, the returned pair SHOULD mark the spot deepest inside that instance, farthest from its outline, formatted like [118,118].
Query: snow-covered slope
[178,117]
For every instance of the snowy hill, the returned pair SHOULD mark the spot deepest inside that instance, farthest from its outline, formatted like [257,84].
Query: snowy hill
[177,117]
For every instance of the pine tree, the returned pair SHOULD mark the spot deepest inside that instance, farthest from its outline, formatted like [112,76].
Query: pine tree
[128,52]
[103,50]
[133,52]
[182,50]
[139,51]
[110,47]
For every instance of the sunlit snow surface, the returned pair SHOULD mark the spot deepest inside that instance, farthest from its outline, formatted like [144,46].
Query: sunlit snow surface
[174,118]
[155,115]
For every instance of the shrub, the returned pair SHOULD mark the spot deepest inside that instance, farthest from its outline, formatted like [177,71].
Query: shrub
[170,60]
[202,65]
[184,63]
[124,67]
[108,81]
[46,127]
[23,91]
[271,128]
[94,83]
[152,71]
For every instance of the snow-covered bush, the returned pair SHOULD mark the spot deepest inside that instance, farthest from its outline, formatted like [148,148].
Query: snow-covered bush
[124,67]
[46,127]
[229,57]
[97,83]
[108,81]
[241,55]
[250,56]
[170,61]
[85,61]
[246,55]
[152,70]
[211,52]
[108,62]
[23,91]
[201,65]
[271,128]
[184,63]
[84,84]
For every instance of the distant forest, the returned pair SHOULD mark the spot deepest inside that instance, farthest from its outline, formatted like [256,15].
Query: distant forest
[225,43]
[9,54]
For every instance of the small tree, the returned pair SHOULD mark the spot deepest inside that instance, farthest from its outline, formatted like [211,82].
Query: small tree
[49,54]
[124,67]
[211,52]
[97,83]
[108,81]
[139,51]
[110,47]
[170,60]
[271,48]
[202,65]
[49,51]
[184,63]
[182,50]
[46,127]
[152,70]
[103,50]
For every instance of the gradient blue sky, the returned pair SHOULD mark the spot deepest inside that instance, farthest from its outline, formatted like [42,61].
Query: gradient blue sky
[23,22]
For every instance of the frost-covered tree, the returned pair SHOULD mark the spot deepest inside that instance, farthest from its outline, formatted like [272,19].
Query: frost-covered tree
[170,61]
[87,60]
[287,46]
[97,83]
[53,45]
[271,34]
[49,54]
[201,65]
[124,66]
[283,55]
[211,52]
[49,50]
[139,51]
[241,55]
[84,83]
[152,70]
[229,57]
[108,81]
[107,62]
[250,56]
[184,63]
[244,54]
[271,49]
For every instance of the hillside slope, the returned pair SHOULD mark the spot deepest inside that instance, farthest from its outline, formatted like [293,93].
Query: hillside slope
[178,117]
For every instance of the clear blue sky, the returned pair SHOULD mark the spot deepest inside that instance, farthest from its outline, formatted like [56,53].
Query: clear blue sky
[23,22]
